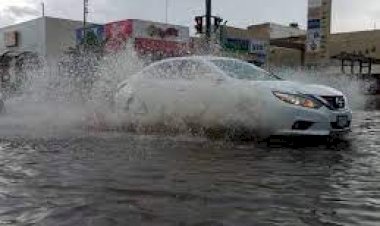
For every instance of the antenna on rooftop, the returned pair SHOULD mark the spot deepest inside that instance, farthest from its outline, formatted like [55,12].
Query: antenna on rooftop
[43,9]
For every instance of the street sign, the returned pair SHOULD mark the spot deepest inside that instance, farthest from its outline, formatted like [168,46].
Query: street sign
[258,47]
[313,23]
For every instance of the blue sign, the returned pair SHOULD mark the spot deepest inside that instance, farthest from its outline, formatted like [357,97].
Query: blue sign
[258,47]
[94,35]
[313,24]
[237,44]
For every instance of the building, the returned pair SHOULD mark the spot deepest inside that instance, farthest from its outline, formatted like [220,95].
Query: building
[47,37]
[148,38]
[281,52]
[277,31]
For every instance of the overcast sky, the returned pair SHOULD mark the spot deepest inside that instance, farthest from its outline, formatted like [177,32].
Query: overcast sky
[348,15]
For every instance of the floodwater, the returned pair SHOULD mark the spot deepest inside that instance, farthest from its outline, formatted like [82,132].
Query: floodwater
[108,178]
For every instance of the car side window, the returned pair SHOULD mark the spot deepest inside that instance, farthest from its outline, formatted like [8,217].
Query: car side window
[181,69]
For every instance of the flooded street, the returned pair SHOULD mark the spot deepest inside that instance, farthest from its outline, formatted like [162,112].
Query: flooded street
[125,179]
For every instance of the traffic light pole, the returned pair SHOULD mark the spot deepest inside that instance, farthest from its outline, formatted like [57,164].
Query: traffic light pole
[208,19]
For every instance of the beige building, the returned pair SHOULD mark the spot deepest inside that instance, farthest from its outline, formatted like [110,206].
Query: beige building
[360,42]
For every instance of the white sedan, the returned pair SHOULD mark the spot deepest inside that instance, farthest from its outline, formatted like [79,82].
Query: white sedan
[216,92]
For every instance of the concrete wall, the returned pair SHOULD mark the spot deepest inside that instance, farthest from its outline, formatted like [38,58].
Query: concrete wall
[275,31]
[31,36]
[48,37]
[60,35]
[240,33]
[365,42]
[284,57]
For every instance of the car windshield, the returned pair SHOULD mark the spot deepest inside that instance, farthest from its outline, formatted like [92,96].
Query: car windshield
[241,70]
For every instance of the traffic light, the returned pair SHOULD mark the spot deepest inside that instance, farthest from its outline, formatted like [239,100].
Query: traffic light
[217,22]
[199,24]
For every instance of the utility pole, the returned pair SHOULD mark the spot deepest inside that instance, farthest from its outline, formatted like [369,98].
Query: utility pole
[208,19]
[85,13]
[43,9]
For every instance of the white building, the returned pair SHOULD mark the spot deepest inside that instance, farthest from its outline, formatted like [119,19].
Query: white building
[46,36]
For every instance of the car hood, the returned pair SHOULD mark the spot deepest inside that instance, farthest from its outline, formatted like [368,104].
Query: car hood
[300,88]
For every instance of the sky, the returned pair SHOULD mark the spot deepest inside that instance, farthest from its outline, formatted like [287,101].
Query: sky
[348,15]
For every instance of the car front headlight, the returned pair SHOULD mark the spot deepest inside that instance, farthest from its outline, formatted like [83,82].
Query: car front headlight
[299,100]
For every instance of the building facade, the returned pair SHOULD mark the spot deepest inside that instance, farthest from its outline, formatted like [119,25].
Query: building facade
[155,39]
[46,36]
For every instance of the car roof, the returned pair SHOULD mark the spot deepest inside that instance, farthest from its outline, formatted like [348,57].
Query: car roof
[207,58]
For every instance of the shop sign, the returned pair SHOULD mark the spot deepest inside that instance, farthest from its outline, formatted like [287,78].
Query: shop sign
[313,23]
[237,44]
[11,39]
[94,34]
[258,47]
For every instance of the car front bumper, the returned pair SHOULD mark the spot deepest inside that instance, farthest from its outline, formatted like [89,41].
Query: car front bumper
[317,122]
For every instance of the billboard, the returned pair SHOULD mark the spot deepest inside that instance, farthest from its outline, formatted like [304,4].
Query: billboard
[318,26]
[160,31]
[117,34]
[237,44]
[260,49]
[94,35]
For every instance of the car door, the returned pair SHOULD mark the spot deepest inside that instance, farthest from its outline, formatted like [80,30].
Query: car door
[177,89]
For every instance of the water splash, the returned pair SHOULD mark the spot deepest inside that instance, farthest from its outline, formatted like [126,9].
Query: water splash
[78,93]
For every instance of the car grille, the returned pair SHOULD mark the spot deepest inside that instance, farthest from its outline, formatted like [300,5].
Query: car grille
[335,102]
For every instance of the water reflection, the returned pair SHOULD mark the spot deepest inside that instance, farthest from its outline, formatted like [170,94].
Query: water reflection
[123,179]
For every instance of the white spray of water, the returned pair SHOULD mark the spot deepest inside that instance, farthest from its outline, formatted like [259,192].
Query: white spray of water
[51,101]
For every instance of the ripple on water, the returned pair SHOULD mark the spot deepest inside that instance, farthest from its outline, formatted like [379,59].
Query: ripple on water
[123,179]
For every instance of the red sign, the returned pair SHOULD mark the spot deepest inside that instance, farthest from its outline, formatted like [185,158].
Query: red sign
[145,45]
[117,34]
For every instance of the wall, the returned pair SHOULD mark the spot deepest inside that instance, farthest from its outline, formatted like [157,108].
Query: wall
[60,35]
[281,31]
[366,42]
[31,36]
[284,57]
[246,44]
[275,31]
